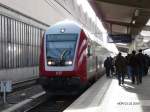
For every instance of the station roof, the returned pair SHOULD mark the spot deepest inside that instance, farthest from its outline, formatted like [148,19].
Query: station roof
[125,17]
[122,16]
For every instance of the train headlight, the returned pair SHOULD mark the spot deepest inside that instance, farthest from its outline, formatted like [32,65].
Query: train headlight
[50,63]
[68,63]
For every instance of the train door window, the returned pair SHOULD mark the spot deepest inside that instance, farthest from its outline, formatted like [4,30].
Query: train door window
[89,50]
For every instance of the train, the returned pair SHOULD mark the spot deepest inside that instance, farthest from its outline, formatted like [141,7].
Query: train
[69,59]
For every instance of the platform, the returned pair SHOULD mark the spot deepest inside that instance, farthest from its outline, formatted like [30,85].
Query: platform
[107,96]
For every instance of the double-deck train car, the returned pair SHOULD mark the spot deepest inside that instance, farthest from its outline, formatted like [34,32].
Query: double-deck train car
[69,59]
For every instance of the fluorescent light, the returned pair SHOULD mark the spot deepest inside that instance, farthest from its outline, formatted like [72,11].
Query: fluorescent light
[145,33]
[146,40]
[123,44]
[148,23]
[133,21]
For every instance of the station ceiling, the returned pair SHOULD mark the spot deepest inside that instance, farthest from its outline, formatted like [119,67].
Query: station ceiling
[122,16]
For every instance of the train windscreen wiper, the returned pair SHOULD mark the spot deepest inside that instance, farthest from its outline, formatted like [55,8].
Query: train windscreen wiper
[64,52]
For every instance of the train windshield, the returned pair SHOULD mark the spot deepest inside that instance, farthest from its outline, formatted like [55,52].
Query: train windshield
[60,49]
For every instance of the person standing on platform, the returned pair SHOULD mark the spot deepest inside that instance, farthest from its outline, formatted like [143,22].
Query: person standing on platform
[120,64]
[141,64]
[134,67]
[129,69]
[112,65]
[147,64]
[107,65]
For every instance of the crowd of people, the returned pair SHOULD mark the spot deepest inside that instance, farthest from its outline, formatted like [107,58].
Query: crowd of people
[134,66]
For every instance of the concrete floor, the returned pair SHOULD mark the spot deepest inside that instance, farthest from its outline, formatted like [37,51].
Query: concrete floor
[18,96]
[107,96]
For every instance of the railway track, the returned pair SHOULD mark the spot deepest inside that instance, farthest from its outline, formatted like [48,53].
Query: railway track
[20,91]
[55,104]
[39,102]
[24,84]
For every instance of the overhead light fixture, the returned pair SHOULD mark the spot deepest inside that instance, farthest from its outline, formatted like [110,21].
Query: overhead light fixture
[146,40]
[148,23]
[122,44]
[145,33]
[133,22]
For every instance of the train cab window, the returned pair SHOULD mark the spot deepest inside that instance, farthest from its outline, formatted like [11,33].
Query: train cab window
[60,49]
[89,53]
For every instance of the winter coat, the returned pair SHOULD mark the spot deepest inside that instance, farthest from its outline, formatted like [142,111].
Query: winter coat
[120,64]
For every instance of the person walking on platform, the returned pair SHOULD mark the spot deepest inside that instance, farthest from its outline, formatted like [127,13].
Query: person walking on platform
[147,64]
[112,65]
[120,64]
[107,65]
[141,64]
[128,65]
[134,67]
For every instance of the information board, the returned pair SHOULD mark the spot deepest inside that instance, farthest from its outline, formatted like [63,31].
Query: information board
[6,86]
[119,38]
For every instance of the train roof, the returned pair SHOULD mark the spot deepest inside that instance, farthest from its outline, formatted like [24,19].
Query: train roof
[65,26]
[73,27]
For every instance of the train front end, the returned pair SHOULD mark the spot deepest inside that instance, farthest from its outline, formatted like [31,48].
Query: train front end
[59,72]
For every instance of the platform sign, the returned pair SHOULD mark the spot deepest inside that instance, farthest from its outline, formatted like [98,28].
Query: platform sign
[6,86]
[119,38]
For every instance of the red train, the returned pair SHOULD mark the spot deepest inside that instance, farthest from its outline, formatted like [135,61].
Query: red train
[69,59]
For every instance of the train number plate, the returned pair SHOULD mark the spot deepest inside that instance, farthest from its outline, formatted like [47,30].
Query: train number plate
[59,73]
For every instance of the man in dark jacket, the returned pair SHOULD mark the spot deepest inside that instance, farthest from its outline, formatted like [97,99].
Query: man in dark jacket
[141,64]
[112,65]
[120,64]
[134,66]
[147,64]
[129,69]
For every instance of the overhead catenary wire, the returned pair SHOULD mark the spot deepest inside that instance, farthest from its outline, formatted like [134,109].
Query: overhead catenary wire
[54,6]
